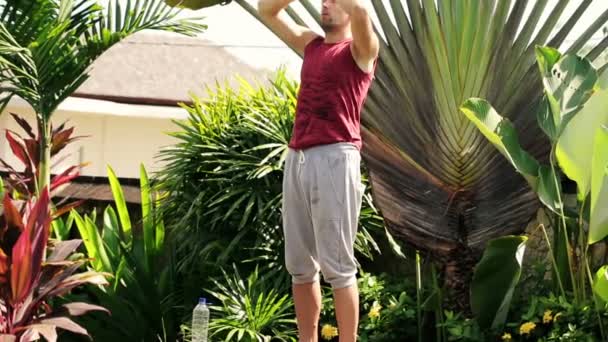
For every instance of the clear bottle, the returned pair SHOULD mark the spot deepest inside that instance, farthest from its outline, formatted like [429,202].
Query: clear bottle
[200,321]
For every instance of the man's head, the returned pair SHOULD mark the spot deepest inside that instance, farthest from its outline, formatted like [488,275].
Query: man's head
[333,17]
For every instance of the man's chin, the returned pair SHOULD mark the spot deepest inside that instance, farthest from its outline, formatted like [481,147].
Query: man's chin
[327,27]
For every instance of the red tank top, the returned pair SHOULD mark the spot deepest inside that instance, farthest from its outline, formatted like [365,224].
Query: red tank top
[332,91]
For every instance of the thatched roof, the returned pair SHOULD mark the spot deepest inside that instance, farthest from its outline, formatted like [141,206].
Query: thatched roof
[161,68]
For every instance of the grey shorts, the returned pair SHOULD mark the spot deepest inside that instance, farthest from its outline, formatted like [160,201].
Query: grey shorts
[322,194]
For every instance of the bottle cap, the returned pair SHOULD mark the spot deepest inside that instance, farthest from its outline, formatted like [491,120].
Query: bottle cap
[202,300]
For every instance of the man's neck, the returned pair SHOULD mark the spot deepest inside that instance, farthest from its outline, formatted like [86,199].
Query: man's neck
[337,36]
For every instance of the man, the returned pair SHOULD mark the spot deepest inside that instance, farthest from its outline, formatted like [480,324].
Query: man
[322,188]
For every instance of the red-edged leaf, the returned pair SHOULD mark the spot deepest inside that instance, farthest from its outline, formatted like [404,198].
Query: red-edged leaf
[33,150]
[6,166]
[66,176]
[53,276]
[90,277]
[3,267]
[60,128]
[63,249]
[48,331]
[21,271]
[19,185]
[18,148]
[23,123]
[11,214]
[66,208]
[65,324]
[79,309]
[60,140]
[38,227]
[62,263]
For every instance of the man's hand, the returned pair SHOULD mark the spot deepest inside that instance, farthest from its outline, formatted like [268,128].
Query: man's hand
[348,5]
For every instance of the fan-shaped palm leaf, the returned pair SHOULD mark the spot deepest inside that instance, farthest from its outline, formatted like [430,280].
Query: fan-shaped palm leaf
[439,185]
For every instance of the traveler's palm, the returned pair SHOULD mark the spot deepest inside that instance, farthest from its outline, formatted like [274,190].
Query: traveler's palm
[438,183]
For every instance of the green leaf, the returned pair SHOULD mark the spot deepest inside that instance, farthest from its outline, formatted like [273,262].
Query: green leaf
[121,205]
[598,225]
[546,122]
[574,148]
[568,82]
[495,278]
[546,58]
[93,243]
[600,283]
[501,133]
[159,241]
[60,229]
[394,245]
[87,239]
[549,187]
[111,233]
[194,4]
[99,245]
[147,216]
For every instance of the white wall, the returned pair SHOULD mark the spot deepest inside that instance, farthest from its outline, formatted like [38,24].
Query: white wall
[122,136]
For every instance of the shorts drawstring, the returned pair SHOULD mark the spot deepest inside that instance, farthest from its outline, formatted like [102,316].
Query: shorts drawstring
[302,157]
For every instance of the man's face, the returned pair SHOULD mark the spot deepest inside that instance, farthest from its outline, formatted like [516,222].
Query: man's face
[333,16]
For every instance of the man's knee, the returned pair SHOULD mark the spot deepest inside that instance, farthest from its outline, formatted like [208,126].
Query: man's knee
[339,275]
[302,273]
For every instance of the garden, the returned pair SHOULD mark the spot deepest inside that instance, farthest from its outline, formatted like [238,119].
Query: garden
[485,162]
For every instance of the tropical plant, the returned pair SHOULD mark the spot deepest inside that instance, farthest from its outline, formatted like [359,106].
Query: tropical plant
[388,309]
[142,290]
[195,4]
[223,178]
[30,281]
[23,184]
[573,105]
[556,319]
[494,280]
[252,309]
[537,317]
[438,184]
[47,47]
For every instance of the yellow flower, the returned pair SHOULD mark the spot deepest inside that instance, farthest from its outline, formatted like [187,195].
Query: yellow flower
[547,317]
[506,337]
[526,328]
[329,331]
[374,312]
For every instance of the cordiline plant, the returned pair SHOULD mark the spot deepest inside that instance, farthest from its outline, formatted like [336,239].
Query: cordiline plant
[29,280]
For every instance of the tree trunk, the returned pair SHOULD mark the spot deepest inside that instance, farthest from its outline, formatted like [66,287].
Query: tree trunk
[457,272]
[44,168]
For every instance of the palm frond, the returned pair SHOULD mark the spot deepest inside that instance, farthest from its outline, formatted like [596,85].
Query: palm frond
[439,185]
[55,43]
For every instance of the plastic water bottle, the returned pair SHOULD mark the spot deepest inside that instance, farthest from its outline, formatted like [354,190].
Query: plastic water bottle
[200,321]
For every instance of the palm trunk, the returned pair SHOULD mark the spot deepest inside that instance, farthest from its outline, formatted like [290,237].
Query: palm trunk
[44,168]
[458,271]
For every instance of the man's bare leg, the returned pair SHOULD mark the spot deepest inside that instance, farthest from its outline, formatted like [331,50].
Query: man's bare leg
[307,300]
[346,301]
